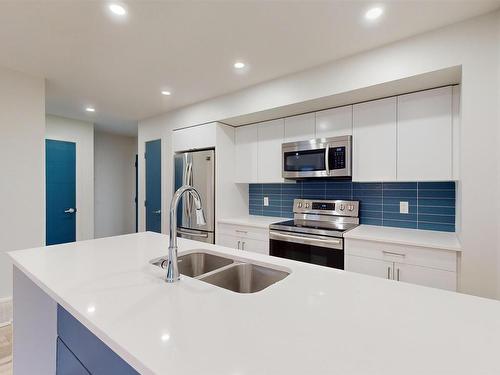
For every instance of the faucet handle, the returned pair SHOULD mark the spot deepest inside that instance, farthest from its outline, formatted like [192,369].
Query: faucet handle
[200,217]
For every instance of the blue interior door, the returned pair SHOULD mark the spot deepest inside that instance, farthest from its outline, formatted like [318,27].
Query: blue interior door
[153,186]
[60,177]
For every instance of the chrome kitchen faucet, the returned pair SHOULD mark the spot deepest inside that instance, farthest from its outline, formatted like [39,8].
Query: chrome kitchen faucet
[172,265]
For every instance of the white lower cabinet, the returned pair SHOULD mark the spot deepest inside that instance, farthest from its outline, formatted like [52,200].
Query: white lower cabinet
[244,238]
[417,265]
[425,276]
[367,266]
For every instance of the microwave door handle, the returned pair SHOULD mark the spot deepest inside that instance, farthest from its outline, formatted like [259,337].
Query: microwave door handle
[327,162]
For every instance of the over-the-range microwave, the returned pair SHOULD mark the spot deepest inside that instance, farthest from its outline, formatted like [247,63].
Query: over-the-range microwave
[323,157]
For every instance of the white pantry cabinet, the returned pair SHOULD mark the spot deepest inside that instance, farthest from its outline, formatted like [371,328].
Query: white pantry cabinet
[435,268]
[300,128]
[246,150]
[270,137]
[374,141]
[335,122]
[425,135]
[244,238]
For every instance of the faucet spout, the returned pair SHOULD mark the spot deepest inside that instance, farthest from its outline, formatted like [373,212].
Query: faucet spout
[172,265]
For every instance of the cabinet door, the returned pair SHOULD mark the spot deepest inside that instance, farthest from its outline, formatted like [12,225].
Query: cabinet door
[246,142]
[270,137]
[425,135]
[201,136]
[229,241]
[300,128]
[334,122]
[368,266]
[425,276]
[256,246]
[374,140]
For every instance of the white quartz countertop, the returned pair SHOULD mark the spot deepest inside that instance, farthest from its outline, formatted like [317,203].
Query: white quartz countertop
[317,321]
[252,221]
[413,237]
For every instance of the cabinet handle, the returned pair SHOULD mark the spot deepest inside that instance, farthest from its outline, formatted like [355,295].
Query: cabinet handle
[397,273]
[243,245]
[241,231]
[239,245]
[388,273]
[392,253]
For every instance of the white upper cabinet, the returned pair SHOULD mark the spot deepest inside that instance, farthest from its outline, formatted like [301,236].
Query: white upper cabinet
[300,128]
[425,135]
[334,122]
[374,140]
[246,142]
[270,138]
[196,137]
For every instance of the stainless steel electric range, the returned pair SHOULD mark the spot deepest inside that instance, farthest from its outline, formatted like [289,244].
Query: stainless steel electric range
[315,235]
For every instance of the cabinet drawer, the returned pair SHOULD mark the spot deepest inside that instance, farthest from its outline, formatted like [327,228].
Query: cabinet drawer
[97,358]
[67,363]
[419,256]
[243,231]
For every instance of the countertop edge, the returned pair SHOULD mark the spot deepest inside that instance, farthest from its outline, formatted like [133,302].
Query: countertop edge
[352,234]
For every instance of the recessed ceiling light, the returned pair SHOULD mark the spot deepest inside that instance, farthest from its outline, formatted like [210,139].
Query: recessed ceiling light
[117,9]
[374,13]
[90,109]
[239,65]
[166,93]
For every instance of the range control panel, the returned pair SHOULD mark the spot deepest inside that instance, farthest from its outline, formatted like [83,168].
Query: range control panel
[324,207]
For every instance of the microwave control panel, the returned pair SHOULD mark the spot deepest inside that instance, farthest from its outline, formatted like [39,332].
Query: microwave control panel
[337,158]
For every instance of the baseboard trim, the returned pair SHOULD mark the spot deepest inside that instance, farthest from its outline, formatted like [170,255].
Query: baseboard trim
[5,311]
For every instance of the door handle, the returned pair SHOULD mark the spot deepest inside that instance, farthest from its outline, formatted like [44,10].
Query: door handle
[243,245]
[157,212]
[397,273]
[201,235]
[327,160]
[70,211]
[388,273]
[239,245]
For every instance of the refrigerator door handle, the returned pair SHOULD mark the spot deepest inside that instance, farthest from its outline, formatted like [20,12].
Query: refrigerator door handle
[201,235]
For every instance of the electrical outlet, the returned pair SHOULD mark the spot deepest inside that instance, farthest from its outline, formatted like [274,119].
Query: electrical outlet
[266,201]
[403,207]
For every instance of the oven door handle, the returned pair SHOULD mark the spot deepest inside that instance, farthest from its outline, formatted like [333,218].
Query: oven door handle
[334,243]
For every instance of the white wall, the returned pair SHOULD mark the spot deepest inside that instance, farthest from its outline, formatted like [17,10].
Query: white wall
[82,133]
[22,151]
[474,45]
[114,184]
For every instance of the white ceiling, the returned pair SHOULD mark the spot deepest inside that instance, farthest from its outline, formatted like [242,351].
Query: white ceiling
[188,47]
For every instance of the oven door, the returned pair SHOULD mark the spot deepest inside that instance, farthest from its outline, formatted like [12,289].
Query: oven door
[320,250]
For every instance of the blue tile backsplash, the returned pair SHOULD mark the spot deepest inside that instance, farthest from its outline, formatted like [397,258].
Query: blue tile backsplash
[431,204]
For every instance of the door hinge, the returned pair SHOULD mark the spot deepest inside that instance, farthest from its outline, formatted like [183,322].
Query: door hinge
[144,155]
[145,204]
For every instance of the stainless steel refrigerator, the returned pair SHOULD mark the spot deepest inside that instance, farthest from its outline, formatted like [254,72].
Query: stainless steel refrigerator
[196,168]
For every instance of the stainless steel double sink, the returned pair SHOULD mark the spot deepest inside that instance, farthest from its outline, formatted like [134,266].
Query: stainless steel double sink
[228,273]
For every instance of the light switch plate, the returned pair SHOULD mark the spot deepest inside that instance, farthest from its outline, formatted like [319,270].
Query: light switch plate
[266,201]
[403,207]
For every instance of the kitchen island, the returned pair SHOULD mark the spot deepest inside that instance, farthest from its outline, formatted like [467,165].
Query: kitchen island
[315,321]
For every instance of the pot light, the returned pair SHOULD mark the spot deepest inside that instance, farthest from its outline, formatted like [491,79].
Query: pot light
[239,65]
[374,13]
[90,109]
[117,9]
[166,93]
